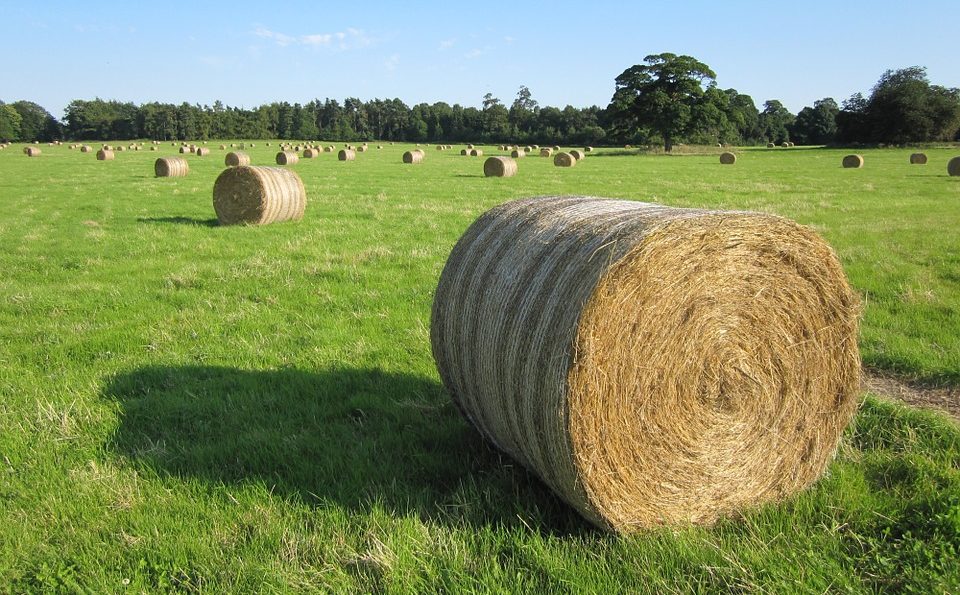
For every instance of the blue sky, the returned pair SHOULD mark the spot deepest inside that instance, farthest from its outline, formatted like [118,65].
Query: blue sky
[248,53]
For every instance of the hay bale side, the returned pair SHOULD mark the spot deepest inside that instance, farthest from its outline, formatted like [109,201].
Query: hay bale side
[346,155]
[853,161]
[310,153]
[564,160]
[918,159]
[464,152]
[287,158]
[578,155]
[545,152]
[236,159]
[202,151]
[588,149]
[953,167]
[86,149]
[469,147]
[476,152]
[258,195]
[641,359]
[105,155]
[728,158]
[771,146]
[518,153]
[415,156]
[32,151]
[499,167]
[171,167]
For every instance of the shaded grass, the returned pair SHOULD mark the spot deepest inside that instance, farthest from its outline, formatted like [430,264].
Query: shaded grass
[194,407]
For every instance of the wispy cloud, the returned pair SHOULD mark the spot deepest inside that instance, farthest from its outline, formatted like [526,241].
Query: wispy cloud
[350,38]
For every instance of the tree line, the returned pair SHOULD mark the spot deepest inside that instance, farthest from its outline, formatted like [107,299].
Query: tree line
[668,99]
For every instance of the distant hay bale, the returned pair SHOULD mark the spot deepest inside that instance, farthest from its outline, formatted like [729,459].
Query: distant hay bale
[771,145]
[953,167]
[441,147]
[464,151]
[499,167]
[853,161]
[545,152]
[627,146]
[236,159]
[310,153]
[556,148]
[183,150]
[32,151]
[153,148]
[86,148]
[362,149]
[527,149]
[728,158]
[578,155]
[588,149]
[379,146]
[171,167]
[651,365]
[287,158]
[202,151]
[223,147]
[347,155]
[564,160]
[518,153]
[785,144]
[258,195]
[476,152]
[469,147]
[328,149]
[415,156]
[535,148]
[918,159]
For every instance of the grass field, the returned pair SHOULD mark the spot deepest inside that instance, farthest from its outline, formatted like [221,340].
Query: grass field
[202,408]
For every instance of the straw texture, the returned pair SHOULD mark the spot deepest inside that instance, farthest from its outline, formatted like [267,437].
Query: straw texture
[415,156]
[853,161]
[652,365]
[258,195]
[105,155]
[236,158]
[171,167]
[518,153]
[564,160]
[346,155]
[287,158]
[500,167]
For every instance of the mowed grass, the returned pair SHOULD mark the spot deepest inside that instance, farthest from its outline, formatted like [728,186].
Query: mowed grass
[191,407]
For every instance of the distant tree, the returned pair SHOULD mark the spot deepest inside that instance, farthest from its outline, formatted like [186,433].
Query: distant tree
[904,107]
[816,125]
[661,96]
[743,114]
[9,123]
[489,101]
[36,123]
[775,121]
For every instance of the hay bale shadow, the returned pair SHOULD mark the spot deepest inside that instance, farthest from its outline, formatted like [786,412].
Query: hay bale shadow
[180,220]
[358,438]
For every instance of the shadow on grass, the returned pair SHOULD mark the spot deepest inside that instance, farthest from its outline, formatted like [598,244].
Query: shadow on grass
[180,220]
[360,438]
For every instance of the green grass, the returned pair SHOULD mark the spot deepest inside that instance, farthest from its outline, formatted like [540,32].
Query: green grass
[185,406]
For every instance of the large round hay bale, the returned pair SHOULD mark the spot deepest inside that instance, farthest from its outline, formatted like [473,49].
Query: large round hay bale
[728,158]
[346,155]
[652,365]
[953,167]
[153,148]
[518,153]
[853,161]
[576,154]
[287,158]
[223,147]
[105,155]
[564,160]
[258,195]
[202,151]
[171,167]
[415,156]
[464,152]
[310,153]
[545,152]
[918,159]
[500,167]
[236,159]
[785,144]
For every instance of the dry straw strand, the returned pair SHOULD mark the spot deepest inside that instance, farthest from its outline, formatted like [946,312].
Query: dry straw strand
[171,167]
[652,365]
[258,195]
[853,161]
[500,167]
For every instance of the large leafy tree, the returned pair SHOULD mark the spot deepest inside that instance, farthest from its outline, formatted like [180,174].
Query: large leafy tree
[816,125]
[9,122]
[662,95]
[775,121]
[904,107]
[36,123]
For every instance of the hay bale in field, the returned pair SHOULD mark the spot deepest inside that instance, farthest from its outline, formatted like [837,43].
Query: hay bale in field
[556,148]
[476,152]
[183,150]
[499,167]
[32,151]
[464,152]
[415,156]
[578,155]
[785,144]
[469,147]
[651,365]
[627,146]
[564,160]
[85,148]
[853,161]
[362,149]
[588,149]
[287,158]
[379,146]
[236,159]
[346,155]
[545,152]
[310,153]
[527,149]
[953,167]
[171,167]
[153,148]
[518,153]
[223,147]
[258,195]
[771,145]
[918,159]
[202,151]
[441,147]
[728,158]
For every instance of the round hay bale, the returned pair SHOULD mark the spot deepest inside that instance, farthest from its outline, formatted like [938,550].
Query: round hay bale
[728,158]
[588,149]
[183,150]
[171,167]
[86,149]
[476,152]
[499,167]
[652,365]
[223,147]
[469,147]
[105,155]
[578,155]
[953,167]
[853,161]
[153,148]
[202,151]
[287,158]
[771,145]
[415,156]
[346,155]
[545,152]
[527,149]
[441,147]
[310,153]
[236,159]
[379,146]
[627,146]
[362,149]
[518,153]
[918,159]
[32,151]
[258,195]
[556,148]
[266,144]
[564,160]
[464,152]
[785,144]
